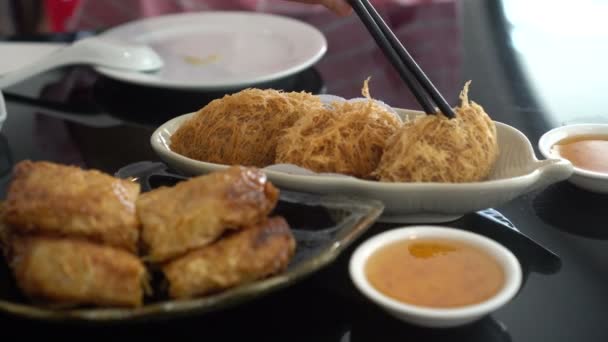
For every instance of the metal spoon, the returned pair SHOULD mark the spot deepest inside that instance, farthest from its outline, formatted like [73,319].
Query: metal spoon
[94,51]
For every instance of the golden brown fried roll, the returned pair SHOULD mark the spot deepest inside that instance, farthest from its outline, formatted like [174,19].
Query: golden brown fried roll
[434,148]
[196,212]
[247,255]
[348,138]
[242,128]
[61,200]
[67,272]
[5,232]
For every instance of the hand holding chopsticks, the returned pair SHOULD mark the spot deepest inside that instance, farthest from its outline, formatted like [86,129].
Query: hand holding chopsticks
[408,69]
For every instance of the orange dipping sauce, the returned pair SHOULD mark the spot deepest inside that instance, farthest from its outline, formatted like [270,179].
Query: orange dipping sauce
[434,273]
[589,152]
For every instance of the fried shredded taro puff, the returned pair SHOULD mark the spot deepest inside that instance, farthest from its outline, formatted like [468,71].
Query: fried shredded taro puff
[242,128]
[433,148]
[347,138]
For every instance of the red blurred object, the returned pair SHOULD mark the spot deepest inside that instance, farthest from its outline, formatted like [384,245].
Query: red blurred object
[58,11]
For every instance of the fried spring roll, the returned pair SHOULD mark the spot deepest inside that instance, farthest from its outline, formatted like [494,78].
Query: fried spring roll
[68,272]
[51,199]
[244,256]
[194,213]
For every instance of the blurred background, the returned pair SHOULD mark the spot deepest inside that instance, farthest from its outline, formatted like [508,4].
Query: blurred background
[552,50]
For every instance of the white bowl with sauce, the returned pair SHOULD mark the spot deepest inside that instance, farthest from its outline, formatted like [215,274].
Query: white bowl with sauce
[586,147]
[453,277]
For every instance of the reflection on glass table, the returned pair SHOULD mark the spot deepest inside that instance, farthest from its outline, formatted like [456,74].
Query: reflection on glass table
[561,46]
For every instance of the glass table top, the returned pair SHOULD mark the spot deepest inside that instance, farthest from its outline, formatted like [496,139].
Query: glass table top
[533,67]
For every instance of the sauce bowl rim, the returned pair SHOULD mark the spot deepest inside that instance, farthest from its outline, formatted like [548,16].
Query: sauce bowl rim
[507,260]
[548,139]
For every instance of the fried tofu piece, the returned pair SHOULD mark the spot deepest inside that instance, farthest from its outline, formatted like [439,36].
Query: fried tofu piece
[59,200]
[68,272]
[247,255]
[194,213]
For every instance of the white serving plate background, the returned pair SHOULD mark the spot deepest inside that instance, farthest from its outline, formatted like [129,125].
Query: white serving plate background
[235,49]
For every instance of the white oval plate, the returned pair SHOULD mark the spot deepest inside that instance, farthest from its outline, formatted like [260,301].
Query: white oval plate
[220,50]
[516,172]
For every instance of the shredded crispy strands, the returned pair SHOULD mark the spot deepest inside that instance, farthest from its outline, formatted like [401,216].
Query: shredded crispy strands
[365,90]
[347,138]
[434,148]
[243,128]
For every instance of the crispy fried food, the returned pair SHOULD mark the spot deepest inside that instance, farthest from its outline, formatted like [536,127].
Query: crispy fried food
[5,232]
[61,200]
[348,138]
[196,212]
[243,128]
[248,255]
[434,148]
[59,271]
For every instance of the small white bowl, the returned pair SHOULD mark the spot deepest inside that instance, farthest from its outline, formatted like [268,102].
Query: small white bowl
[588,180]
[430,316]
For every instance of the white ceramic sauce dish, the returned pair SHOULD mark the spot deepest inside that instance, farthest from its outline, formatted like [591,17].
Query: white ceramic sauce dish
[431,316]
[516,172]
[2,110]
[585,179]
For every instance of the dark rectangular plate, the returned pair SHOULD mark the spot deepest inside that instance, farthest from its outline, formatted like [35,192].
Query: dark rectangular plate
[323,227]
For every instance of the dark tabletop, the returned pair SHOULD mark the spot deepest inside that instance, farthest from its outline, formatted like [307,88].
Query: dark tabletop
[106,125]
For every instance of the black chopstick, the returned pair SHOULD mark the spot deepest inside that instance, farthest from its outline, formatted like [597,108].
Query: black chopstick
[392,55]
[409,61]
[407,67]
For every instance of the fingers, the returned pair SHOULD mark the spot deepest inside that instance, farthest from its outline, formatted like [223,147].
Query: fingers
[340,7]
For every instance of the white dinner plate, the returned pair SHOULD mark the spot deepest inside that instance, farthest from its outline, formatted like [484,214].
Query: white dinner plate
[516,172]
[220,50]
